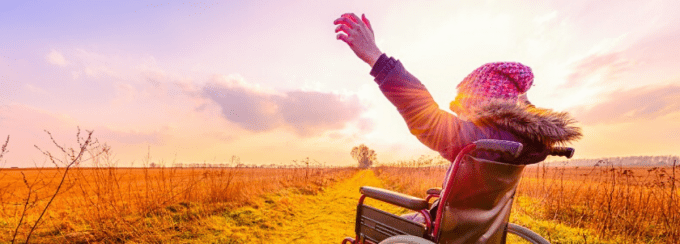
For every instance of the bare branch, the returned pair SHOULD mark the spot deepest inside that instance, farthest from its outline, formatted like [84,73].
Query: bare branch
[49,155]
[83,148]
[78,136]
[4,148]
[55,142]
[23,213]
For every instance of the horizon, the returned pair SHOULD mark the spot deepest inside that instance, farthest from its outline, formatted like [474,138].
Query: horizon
[580,162]
[144,75]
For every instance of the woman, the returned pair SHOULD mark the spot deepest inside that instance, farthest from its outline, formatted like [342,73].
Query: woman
[491,104]
[491,101]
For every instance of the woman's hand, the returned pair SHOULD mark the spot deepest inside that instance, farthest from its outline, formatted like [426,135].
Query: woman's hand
[359,36]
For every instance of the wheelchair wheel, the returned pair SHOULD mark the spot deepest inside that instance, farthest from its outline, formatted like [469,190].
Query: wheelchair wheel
[526,234]
[404,239]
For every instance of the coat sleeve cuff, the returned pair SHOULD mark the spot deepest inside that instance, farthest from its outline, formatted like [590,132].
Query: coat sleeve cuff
[379,65]
[382,68]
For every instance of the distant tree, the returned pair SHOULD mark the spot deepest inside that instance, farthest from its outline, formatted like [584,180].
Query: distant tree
[364,156]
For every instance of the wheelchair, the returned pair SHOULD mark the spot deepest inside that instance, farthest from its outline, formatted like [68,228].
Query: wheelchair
[472,207]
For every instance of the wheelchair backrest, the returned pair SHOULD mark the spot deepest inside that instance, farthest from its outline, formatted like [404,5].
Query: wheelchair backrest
[476,201]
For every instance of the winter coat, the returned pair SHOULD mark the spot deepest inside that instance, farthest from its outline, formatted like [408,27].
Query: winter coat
[538,129]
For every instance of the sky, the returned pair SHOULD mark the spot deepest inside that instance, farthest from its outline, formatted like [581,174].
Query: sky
[267,81]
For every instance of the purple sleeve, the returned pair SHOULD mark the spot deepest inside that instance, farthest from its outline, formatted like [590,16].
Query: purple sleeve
[436,128]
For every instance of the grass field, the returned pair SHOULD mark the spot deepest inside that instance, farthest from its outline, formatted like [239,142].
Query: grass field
[315,205]
[140,205]
[234,204]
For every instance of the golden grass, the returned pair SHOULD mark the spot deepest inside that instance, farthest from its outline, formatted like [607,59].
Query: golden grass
[110,204]
[635,204]
[105,203]
[638,203]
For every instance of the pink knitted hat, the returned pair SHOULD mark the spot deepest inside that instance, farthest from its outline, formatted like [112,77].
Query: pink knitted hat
[505,81]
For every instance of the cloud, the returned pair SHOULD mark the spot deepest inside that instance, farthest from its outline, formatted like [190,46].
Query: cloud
[625,106]
[36,90]
[651,58]
[130,137]
[659,48]
[607,67]
[648,63]
[306,110]
[24,120]
[99,71]
[56,58]
[256,109]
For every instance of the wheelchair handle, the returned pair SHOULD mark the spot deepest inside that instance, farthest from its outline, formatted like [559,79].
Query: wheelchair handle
[511,148]
[567,152]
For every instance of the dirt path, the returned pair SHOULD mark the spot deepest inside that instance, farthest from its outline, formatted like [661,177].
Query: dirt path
[296,218]
[329,217]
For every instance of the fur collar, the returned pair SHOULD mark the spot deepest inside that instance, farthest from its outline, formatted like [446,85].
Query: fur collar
[527,121]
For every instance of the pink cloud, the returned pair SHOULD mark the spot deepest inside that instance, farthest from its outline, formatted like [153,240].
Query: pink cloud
[626,106]
[310,111]
[127,137]
[306,112]
[659,49]
[650,61]
[611,66]
[56,58]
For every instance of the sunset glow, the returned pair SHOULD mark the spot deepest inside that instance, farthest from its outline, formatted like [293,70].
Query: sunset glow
[267,81]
